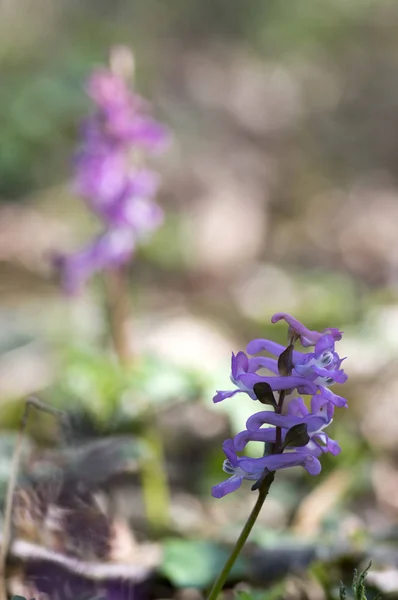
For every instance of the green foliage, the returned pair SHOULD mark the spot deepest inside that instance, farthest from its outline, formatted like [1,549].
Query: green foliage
[110,393]
[196,563]
[274,593]
[358,585]
[38,119]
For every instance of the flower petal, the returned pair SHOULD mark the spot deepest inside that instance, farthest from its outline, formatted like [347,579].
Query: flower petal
[262,362]
[221,395]
[259,345]
[307,337]
[279,383]
[229,451]
[324,344]
[227,486]
[329,445]
[261,435]
[332,397]
[239,364]
[297,407]
[274,462]
[312,465]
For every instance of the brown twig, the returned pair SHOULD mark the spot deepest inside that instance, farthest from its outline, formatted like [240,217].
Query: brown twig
[7,524]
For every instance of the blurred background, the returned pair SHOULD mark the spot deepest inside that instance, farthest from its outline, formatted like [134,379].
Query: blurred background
[281,194]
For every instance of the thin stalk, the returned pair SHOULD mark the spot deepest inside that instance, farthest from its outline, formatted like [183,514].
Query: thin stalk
[263,486]
[154,482]
[118,310]
[153,472]
[221,579]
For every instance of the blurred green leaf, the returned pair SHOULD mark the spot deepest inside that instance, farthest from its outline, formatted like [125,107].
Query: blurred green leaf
[274,593]
[196,563]
[107,391]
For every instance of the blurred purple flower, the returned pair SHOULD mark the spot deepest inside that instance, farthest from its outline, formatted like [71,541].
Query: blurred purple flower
[110,178]
[122,115]
[107,251]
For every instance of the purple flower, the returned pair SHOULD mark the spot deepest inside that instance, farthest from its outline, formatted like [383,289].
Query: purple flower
[100,177]
[122,114]
[322,366]
[317,420]
[108,90]
[296,438]
[109,173]
[134,207]
[306,336]
[109,250]
[243,375]
[320,417]
[241,468]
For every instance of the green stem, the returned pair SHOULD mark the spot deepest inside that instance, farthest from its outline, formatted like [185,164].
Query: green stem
[154,482]
[221,579]
[153,472]
[263,485]
[118,307]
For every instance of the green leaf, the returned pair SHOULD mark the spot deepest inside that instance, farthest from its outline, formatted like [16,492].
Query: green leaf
[98,384]
[358,585]
[343,591]
[196,563]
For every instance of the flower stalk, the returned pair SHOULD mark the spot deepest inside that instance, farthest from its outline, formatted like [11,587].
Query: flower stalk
[116,285]
[111,176]
[263,491]
[292,437]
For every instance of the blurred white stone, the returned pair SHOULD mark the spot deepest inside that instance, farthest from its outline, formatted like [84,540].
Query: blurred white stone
[385,580]
[264,289]
[25,370]
[374,346]
[227,230]
[186,340]
[378,415]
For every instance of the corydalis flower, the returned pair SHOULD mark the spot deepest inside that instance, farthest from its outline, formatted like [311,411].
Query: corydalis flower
[109,173]
[243,375]
[297,438]
[111,249]
[240,468]
[316,420]
[311,371]
[306,336]
[321,367]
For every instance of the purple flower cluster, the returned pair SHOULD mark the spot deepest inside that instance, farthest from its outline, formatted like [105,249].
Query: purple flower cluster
[296,438]
[110,176]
